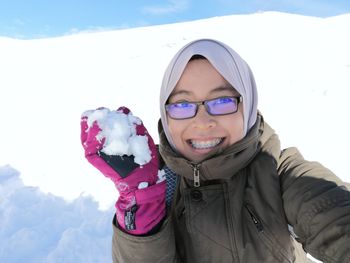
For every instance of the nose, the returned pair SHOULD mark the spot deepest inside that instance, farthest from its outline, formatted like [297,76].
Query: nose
[203,119]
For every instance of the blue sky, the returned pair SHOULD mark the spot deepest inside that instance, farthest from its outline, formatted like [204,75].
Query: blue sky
[28,19]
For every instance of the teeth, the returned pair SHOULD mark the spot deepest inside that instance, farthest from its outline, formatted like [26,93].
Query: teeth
[205,144]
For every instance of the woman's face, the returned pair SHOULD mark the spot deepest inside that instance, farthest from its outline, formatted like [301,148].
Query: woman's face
[197,137]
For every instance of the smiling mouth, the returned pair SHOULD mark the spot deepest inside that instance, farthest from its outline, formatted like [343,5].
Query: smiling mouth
[196,144]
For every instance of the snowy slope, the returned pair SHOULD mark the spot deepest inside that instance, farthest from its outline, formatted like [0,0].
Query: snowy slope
[302,69]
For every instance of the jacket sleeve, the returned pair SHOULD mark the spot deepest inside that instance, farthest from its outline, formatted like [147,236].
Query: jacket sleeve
[156,248]
[317,206]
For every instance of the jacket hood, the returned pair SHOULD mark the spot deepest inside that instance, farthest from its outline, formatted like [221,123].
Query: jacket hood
[225,164]
[227,62]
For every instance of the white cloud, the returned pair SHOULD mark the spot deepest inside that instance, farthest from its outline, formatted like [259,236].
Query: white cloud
[318,8]
[18,22]
[174,6]
[95,29]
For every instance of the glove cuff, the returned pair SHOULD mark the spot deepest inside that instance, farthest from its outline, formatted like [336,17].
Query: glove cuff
[140,211]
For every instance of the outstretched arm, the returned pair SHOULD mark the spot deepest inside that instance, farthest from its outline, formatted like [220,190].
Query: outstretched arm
[317,205]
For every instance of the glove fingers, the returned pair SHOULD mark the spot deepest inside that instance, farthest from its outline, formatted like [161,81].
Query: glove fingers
[124,110]
[142,131]
[93,131]
[83,129]
[92,144]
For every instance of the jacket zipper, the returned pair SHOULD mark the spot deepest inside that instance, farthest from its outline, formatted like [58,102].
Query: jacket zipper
[196,180]
[265,235]
[230,220]
[255,220]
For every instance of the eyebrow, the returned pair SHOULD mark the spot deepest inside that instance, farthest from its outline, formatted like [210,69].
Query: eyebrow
[218,89]
[224,88]
[179,92]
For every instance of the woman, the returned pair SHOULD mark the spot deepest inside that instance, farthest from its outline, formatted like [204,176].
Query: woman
[238,196]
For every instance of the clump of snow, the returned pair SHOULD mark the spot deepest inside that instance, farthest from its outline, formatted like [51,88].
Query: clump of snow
[119,131]
[161,176]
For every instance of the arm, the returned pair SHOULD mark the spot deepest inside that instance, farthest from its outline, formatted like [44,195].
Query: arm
[119,146]
[156,248]
[160,239]
[317,205]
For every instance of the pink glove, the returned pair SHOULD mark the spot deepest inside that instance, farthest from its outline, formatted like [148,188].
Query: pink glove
[141,203]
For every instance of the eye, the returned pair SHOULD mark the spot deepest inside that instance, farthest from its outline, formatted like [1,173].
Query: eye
[223,100]
[183,104]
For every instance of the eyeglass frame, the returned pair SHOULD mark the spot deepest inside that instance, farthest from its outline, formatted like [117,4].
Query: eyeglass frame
[238,98]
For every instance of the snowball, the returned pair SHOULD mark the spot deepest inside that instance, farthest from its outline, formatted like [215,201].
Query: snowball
[119,132]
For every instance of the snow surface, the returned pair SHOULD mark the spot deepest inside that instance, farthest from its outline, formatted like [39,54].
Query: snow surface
[40,227]
[56,207]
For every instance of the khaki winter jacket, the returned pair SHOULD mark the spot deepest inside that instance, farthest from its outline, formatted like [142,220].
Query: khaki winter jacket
[254,201]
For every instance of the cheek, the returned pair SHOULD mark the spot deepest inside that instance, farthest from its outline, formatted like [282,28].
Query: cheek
[176,129]
[235,128]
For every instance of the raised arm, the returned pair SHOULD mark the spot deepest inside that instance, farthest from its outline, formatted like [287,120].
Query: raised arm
[119,146]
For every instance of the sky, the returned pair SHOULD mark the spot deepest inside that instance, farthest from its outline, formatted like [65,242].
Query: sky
[56,207]
[39,18]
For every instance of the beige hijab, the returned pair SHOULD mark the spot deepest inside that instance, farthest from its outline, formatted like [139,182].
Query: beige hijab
[227,62]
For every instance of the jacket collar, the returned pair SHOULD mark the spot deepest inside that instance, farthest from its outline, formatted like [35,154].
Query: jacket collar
[221,165]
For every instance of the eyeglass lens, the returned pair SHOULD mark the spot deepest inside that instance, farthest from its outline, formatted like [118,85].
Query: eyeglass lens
[218,106]
[223,105]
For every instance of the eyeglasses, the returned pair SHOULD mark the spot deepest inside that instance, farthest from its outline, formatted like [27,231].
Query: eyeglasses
[218,106]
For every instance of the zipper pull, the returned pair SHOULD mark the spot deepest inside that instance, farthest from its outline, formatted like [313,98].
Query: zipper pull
[196,179]
[255,220]
[257,223]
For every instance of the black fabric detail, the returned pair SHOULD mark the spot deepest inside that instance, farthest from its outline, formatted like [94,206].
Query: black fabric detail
[161,162]
[171,183]
[153,231]
[156,228]
[123,165]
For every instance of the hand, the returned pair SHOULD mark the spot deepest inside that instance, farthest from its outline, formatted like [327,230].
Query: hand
[141,204]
